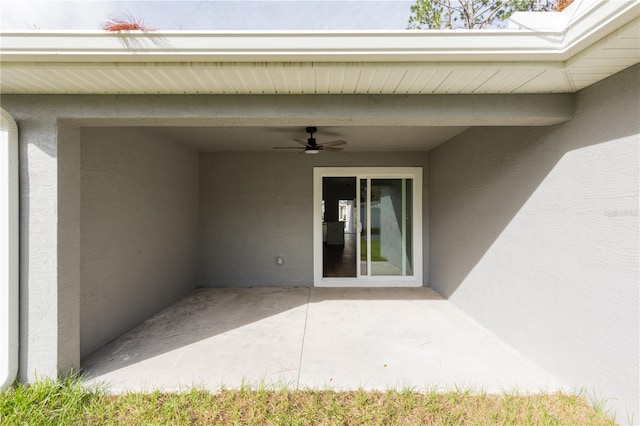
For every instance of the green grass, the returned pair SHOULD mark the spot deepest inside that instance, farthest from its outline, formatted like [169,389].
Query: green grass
[375,250]
[68,403]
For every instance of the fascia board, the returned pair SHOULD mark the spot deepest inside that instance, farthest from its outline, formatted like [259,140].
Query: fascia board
[586,26]
[187,46]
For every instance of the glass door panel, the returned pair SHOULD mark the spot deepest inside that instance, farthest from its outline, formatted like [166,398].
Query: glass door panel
[339,255]
[390,227]
[363,227]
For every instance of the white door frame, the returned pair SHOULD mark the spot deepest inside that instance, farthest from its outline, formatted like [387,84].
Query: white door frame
[414,173]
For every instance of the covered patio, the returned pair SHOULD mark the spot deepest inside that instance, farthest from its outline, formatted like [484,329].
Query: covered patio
[164,243]
[316,338]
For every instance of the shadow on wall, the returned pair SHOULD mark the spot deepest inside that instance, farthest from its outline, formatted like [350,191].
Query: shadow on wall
[533,232]
[478,184]
[482,179]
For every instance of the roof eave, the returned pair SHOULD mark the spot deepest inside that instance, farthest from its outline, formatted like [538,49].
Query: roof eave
[523,43]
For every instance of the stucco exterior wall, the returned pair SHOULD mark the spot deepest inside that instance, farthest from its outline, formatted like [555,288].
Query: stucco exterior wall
[68,245]
[255,206]
[42,311]
[49,128]
[534,233]
[139,230]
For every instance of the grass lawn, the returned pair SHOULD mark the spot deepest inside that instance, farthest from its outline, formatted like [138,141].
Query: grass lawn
[68,403]
[375,250]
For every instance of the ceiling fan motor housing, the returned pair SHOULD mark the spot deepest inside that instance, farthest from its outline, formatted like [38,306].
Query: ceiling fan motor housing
[312,147]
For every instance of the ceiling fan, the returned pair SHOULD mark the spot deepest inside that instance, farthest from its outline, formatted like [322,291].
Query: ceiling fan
[310,146]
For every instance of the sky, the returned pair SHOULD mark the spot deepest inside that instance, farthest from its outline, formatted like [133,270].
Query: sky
[208,14]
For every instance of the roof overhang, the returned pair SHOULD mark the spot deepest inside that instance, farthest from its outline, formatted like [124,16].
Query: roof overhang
[540,53]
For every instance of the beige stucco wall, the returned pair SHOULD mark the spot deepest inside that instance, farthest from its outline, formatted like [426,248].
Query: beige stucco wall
[534,233]
[139,230]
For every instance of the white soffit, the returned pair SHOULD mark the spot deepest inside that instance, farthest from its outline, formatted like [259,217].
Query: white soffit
[587,42]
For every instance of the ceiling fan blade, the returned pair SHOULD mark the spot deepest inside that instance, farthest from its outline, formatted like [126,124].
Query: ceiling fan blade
[300,141]
[331,149]
[288,147]
[335,143]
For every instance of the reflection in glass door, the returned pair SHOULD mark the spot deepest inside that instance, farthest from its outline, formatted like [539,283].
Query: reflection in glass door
[386,217]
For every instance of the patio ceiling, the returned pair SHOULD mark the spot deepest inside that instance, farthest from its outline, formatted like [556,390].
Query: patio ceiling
[568,51]
[264,138]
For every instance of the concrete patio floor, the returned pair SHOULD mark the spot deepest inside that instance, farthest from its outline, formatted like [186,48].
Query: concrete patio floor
[313,338]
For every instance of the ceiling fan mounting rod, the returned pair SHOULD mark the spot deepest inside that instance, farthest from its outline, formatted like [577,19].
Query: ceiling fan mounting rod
[311,130]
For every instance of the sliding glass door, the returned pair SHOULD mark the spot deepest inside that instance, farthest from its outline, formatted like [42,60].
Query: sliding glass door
[384,246]
[389,207]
